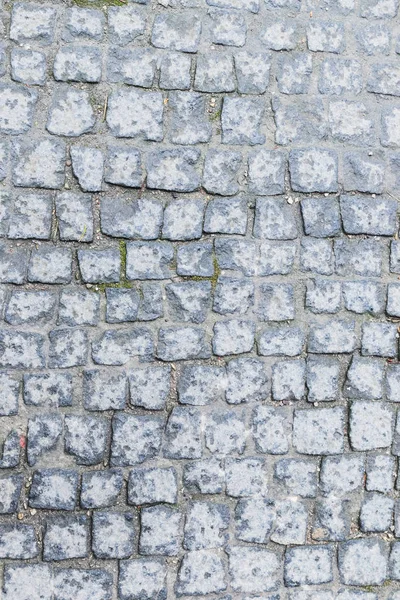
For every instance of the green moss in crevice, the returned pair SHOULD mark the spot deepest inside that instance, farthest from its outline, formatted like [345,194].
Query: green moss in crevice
[123,283]
[99,3]
[122,254]
[217,273]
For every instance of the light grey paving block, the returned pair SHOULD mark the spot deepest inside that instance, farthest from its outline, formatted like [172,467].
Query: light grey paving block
[10,491]
[202,571]
[21,349]
[125,24]
[23,582]
[173,170]
[221,172]
[31,216]
[150,387]
[206,526]
[364,379]
[39,163]
[175,71]
[321,216]
[322,295]
[18,541]
[44,432]
[351,122]
[149,260]
[371,425]
[160,531]
[71,113]
[86,438]
[118,346]
[253,569]
[299,476]
[143,578]
[28,66]
[33,23]
[308,565]
[87,166]
[113,535]
[363,562]
[267,172]
[9,394]
[214,73]
[241,120]
[189,124]
[78,307]
[135,114]
[51,389]
[290,522]
[91,584]
[100,489]
[152,486]
[204,476]
[342,475]
[376,513]
[332,337]
[188,301]
[83,24]
[280,35]
[233,337]
[132,66]
[134,439]
[66,537]
[313,170]
[332,522]
[364,297]
[254,519]
[176,32]
[54,489]
[323,378]
[225,432]
[183,220]
[78,63]
[252,71]
[340,76]
[288,380]
[74,216]
[294,73]
[100,266]
[137,219]
[326,36]
[123,167]
[245,477]
[378,9]
[298,120]
[228,28]
[319,431]
[271,429]
[226,215]
[247,380]
[274,220]
[380,473]
[68,348]
[379,339]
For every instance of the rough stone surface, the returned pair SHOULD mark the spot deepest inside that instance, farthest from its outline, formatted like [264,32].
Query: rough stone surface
[199,299]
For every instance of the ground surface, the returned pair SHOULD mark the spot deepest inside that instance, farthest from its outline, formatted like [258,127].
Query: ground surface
[200,300]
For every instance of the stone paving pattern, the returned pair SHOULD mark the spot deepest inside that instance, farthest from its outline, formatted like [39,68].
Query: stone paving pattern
[200,300]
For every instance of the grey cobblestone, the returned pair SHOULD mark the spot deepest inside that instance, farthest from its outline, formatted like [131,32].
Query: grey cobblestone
[199,300]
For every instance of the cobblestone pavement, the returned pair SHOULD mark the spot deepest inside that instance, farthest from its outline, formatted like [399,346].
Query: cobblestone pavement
[200,300]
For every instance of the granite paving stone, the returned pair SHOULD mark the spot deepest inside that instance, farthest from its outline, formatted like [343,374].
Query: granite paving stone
[199,299]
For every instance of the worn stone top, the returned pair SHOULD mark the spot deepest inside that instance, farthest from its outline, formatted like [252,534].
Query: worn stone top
[199,300]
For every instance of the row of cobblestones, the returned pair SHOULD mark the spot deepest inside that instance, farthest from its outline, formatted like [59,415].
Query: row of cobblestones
[199,300]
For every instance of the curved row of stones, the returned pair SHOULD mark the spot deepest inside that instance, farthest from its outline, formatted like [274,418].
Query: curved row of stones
[199,300]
